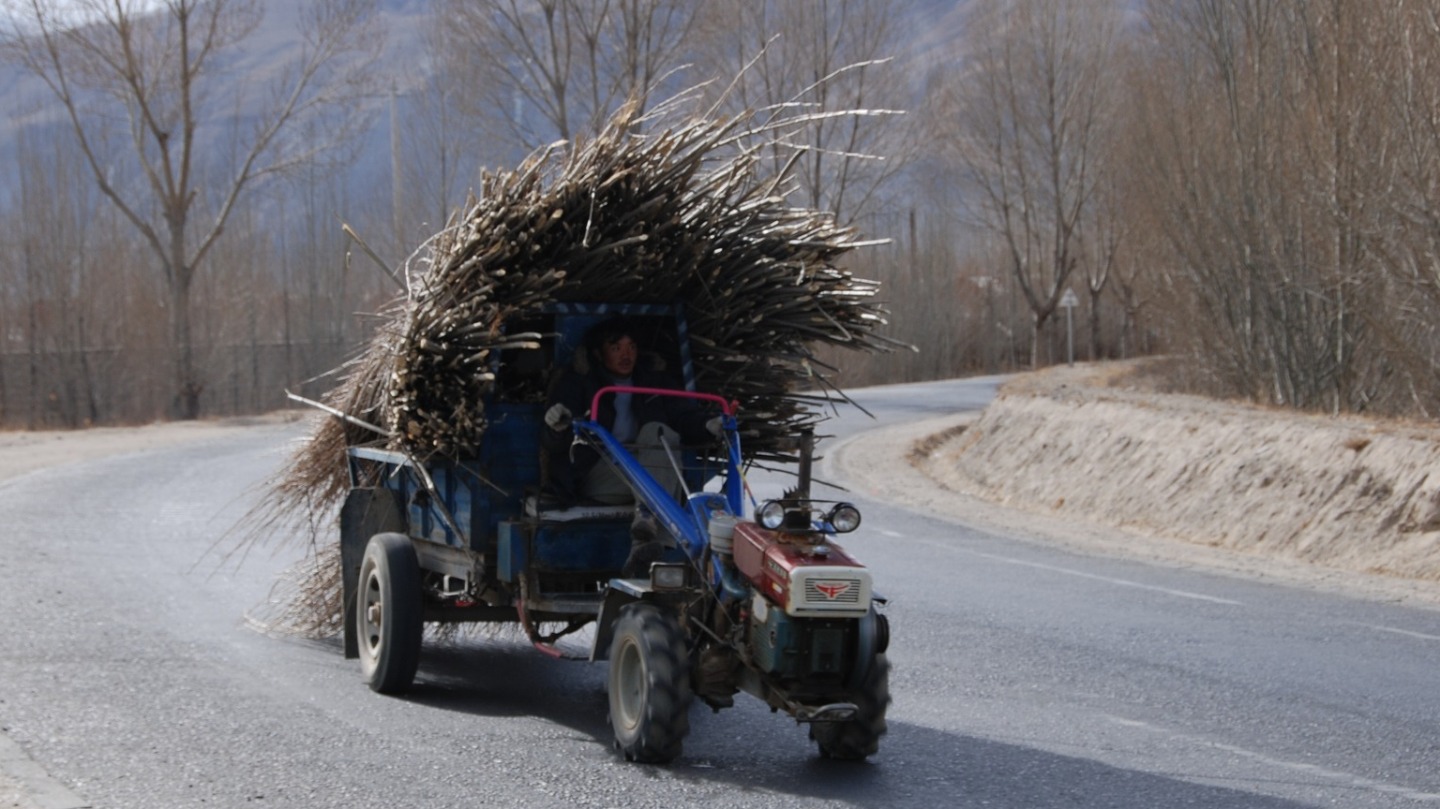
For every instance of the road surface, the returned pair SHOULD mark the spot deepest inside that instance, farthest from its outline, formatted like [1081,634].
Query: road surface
[1024,675]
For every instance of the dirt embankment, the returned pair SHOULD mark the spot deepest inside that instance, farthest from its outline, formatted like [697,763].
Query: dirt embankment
[1088,444]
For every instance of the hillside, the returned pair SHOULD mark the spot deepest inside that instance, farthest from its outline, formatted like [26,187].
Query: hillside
[1094,446]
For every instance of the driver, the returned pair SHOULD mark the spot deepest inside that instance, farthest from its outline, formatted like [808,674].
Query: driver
[644,423]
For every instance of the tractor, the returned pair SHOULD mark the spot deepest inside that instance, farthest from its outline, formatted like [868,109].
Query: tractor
[752,597]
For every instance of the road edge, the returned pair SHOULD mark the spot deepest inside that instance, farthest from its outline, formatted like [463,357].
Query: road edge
[36,788]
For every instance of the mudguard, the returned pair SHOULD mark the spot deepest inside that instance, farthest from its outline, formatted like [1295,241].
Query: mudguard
[366,512]
[872,638]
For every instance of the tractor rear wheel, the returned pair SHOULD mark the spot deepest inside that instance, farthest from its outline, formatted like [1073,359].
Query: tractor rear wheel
[650,691]
[857,738]
[389,614]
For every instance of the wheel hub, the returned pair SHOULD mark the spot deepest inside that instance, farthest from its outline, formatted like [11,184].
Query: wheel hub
[373,614]
[631,687]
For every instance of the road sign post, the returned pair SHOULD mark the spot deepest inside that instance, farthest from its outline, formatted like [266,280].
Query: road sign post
[1068,302]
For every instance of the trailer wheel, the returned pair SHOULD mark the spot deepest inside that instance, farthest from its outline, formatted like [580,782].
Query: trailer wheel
[859,737]
[389,615]
[649,684]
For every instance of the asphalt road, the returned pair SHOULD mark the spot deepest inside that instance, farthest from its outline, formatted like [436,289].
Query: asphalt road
[1024,676]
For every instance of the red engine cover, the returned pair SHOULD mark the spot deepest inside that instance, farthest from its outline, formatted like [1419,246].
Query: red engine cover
[772,562]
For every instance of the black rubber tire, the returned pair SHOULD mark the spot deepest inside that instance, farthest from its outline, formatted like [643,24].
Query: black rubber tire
[859,737]
[389,613]
[650,691]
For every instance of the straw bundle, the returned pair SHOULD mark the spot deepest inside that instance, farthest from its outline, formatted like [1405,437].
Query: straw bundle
[681,215]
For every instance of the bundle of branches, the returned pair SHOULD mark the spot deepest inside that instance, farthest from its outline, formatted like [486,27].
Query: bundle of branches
[681,215]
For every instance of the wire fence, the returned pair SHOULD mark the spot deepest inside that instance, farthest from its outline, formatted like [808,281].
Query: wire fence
[58,389]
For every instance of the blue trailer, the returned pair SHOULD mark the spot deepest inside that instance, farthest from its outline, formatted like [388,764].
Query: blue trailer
[757,600]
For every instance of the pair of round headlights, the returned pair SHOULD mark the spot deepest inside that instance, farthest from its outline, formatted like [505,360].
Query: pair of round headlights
[842,518]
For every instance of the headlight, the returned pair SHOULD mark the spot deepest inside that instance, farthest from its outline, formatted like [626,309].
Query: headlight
[667,576]
[844,518]
[770,514]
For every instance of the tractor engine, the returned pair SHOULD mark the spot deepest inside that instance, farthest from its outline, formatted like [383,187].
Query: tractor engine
[809,595]
[806,578]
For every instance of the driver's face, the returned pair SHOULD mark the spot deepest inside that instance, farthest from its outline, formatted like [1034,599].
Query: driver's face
[619,357]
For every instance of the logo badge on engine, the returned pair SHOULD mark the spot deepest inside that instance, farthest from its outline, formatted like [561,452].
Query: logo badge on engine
[833,589]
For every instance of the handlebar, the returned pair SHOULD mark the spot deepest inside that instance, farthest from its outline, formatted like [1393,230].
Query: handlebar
[727,407]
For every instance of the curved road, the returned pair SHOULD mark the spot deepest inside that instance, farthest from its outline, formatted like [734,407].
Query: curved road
[1025,676]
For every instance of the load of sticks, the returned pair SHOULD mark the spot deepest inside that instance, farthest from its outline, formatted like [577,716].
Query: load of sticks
[680,215]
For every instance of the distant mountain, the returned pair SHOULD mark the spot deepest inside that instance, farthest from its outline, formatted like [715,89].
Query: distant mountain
[404,66]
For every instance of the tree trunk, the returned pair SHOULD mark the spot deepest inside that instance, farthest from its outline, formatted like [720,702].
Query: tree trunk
[32,416]
[87,375]
[186,405]
[1094,326]
[4,394]
[1036,336]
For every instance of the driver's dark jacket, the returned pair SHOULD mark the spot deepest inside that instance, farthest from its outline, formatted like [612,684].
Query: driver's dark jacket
[576,390]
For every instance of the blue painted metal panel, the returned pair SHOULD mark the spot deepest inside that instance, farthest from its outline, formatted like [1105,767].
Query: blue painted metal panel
[461,502]
[510,462]
[511,541]
[773,644]
[581,545]
[576,546]
[435,529]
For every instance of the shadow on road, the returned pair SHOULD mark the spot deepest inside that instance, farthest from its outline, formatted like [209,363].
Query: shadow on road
[749,750]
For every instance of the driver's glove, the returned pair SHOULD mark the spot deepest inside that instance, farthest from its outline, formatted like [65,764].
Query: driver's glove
[558,417]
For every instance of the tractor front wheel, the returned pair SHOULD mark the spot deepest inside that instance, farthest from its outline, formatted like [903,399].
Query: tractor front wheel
[649,684]
[389,614]
[859,737]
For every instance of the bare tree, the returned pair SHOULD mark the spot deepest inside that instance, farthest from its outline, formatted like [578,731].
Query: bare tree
[165,74]
[1102,235]
[436,148]
[1341,48]
[1023,125]
[1409,86]
[1268,150]
[543,70]
[58,260]
[432,157]
[831,59]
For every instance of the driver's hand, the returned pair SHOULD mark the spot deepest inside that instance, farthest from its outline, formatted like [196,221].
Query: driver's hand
[558,417]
